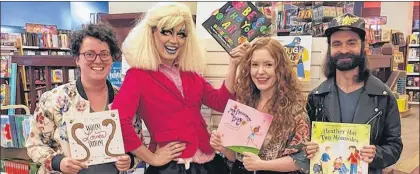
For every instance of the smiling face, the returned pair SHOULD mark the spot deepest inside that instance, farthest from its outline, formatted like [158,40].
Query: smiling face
[345,50]
[98,68]
[263,70]
[169,43]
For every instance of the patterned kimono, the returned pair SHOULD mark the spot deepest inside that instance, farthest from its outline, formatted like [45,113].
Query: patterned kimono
[48,136]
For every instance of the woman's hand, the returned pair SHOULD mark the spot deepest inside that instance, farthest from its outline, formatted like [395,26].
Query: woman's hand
[123,162]
[216,141]
[238,53]
[252,162]
[311,148]
[70,165]
[167,153]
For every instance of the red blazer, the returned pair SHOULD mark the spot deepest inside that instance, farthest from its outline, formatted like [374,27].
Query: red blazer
[167,114]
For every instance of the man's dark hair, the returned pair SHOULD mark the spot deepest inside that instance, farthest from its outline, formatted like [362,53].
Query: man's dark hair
[99,31]
[329,68]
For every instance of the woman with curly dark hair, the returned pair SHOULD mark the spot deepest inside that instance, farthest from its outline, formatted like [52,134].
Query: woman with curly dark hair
[94,49]
[267,82]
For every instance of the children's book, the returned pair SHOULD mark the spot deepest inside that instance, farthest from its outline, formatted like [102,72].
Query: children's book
[339,148]
[95,138]
[115,75]
[235,23]
[57,76]
[243,128]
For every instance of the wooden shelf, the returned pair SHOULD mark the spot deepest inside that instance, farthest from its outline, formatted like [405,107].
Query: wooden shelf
[414,103]
[37,63]
[44,48]
[412,88]
[48,60]
[380,61]
[413,59]
[413,74]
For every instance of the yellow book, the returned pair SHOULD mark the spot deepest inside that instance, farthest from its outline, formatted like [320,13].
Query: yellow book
[339,147]
[410,68]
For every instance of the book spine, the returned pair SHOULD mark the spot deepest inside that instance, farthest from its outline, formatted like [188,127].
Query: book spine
[13,77]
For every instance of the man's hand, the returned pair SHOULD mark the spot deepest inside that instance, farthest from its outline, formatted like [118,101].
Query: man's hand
[368,153]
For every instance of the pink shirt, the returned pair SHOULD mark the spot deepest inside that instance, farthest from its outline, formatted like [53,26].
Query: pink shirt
[174,75]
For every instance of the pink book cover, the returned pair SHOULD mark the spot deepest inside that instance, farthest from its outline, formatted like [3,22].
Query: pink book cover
[243,128]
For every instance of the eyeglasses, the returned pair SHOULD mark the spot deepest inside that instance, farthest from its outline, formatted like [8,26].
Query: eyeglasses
[91,56]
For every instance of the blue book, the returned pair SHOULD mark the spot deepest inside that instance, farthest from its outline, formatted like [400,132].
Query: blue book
[115,75]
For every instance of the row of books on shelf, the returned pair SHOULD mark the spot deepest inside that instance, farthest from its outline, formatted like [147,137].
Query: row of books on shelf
[56,75]
[16,166]
[413,81]
[413,96]
[15,130]
[413,67]
[9,39]
[320,13]
[414,54]
[374,35]
[46,40]
[45,52]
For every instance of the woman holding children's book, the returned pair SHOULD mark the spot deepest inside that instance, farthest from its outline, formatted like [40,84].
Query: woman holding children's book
[94,49]
[268,83]
[163,87]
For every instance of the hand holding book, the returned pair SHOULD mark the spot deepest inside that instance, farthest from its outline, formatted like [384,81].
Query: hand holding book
[368,153]
[238,53]
[70,165]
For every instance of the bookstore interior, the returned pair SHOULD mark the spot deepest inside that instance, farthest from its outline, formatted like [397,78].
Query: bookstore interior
[35,53]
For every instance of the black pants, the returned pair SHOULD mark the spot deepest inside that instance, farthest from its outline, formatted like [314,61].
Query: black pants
[239,168]
[216,166]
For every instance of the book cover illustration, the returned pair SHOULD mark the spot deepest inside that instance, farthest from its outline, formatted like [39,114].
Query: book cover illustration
[6,132]
[339,148]
[235,23]
[5,66]
[115,75]
[95,138]
[243,128]
[57,76]
[298,49]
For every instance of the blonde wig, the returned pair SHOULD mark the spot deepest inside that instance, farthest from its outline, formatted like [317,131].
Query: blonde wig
[139,47]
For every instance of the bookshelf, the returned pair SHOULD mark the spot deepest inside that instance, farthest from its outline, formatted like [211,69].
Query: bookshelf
[35,76]
[413,68]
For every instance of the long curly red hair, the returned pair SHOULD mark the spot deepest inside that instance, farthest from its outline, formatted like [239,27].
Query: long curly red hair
[287,101]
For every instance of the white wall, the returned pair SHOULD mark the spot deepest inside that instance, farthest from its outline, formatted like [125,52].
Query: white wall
[116,7]
[205,10]
[401,19]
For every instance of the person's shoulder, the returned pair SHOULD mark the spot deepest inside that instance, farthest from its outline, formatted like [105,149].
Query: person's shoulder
[375,86]
[59,94]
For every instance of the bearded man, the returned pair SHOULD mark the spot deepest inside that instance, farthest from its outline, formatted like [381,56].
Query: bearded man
[352,95]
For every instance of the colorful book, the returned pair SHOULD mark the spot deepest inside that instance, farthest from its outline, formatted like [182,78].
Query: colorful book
[57,76]
[235,23]
[243,128]
[5,66]
[115,75]
[339,147]
[95,138]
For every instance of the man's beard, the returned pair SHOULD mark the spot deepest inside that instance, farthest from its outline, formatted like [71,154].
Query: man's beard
[355,60]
